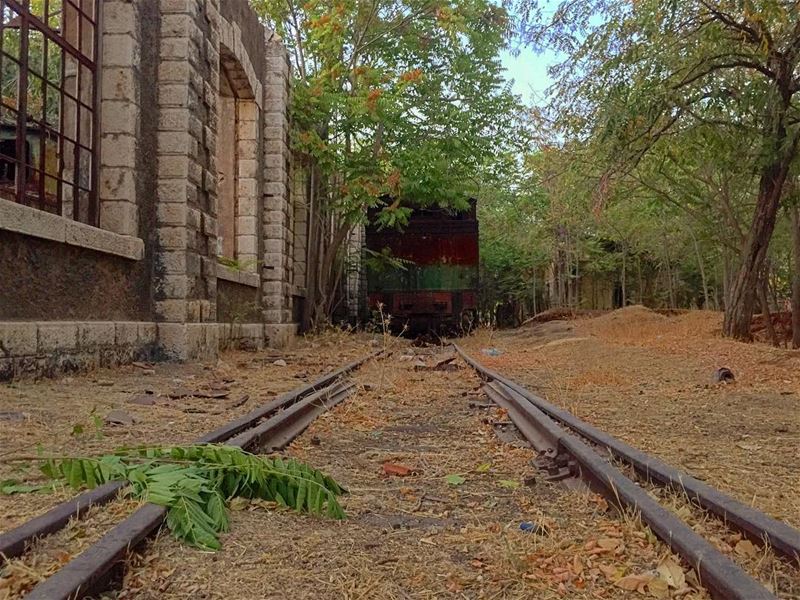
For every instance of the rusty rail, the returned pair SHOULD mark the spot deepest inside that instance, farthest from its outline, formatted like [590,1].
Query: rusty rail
[721,576]
[89,572]
[755,525]
[14,542]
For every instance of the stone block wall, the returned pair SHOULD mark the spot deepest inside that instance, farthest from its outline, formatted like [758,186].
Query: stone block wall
[154,260]
[277,216]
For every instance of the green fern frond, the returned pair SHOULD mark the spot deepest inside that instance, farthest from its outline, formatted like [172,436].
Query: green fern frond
[196,482]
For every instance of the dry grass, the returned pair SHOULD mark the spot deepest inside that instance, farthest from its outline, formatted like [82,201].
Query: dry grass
[417,536]
[53,412]
[647,379]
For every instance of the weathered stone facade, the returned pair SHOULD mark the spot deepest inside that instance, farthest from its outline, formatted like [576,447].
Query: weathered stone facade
[195,247]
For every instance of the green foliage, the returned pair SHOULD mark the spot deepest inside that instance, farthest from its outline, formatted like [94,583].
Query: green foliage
[667,137]
[404,98]
[383,261]
[400,99]
[196,482]
[14,486]
[455,479]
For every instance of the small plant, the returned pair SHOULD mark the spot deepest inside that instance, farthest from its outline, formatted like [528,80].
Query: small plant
[196,483]
[78,429]
[388,340]
[238,265]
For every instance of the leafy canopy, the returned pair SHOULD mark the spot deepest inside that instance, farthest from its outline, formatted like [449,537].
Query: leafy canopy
[398,98]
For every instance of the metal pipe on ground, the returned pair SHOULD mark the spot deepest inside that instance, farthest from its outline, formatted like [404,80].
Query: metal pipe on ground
[14,542]
[757,526]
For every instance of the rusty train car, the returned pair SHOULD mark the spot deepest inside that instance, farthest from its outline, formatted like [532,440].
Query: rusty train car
[437,287]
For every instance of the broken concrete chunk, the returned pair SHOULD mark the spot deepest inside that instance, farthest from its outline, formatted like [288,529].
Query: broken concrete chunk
[120,417]
[723,375]
[143,400]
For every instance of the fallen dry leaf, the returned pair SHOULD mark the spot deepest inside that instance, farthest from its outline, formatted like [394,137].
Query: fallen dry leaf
[672,573]
[745,548]
[634,583]
[658,588]
[608,543]
[396,470]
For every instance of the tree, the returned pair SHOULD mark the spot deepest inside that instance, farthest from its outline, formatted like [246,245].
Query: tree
[396,103]
[639,73]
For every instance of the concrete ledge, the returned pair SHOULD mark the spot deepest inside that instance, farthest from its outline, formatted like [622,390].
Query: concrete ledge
[236,276]
[281,336]
[37,223]
[48,348]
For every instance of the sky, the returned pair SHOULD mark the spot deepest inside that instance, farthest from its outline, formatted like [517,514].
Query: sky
[529,72]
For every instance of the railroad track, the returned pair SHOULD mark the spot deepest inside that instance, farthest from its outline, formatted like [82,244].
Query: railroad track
[559,437]
[269,427]
[570,451]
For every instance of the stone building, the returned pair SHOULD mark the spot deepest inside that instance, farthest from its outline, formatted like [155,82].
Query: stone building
[145,206]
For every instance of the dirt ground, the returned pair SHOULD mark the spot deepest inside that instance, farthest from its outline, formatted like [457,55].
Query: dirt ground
[647,379]
[457,526]
[416,536]
[68,415]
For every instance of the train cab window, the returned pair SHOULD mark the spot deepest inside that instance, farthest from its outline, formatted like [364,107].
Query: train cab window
[48,105]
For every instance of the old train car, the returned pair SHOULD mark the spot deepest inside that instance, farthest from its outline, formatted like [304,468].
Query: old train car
[437,286]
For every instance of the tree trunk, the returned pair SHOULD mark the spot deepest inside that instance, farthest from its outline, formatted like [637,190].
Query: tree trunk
[763,298]
[702,269]
[795,276]
[624,289]
[669,274]
[641,279]
[312,251]
[770,189]
[739,312]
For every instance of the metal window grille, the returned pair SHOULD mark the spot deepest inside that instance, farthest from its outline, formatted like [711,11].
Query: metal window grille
[49,99]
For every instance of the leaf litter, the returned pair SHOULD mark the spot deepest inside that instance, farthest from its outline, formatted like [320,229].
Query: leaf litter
[63,421]
[643,377]
[422,535]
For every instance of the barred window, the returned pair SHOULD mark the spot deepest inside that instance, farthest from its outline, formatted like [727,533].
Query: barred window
[48,105]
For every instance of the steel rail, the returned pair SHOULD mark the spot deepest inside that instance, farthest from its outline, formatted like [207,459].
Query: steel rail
[717,573]
[14,542]
[89,572]
[754,524]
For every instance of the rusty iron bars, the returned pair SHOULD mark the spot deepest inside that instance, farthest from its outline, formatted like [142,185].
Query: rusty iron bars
[755,525]
[49,105]
[15,542]
[721,576]
[90,572]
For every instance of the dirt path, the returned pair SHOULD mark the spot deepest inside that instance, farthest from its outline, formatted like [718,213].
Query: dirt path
[647,379]
[418,536]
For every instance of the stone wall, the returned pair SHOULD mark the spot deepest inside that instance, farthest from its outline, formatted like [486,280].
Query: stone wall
[154,259]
